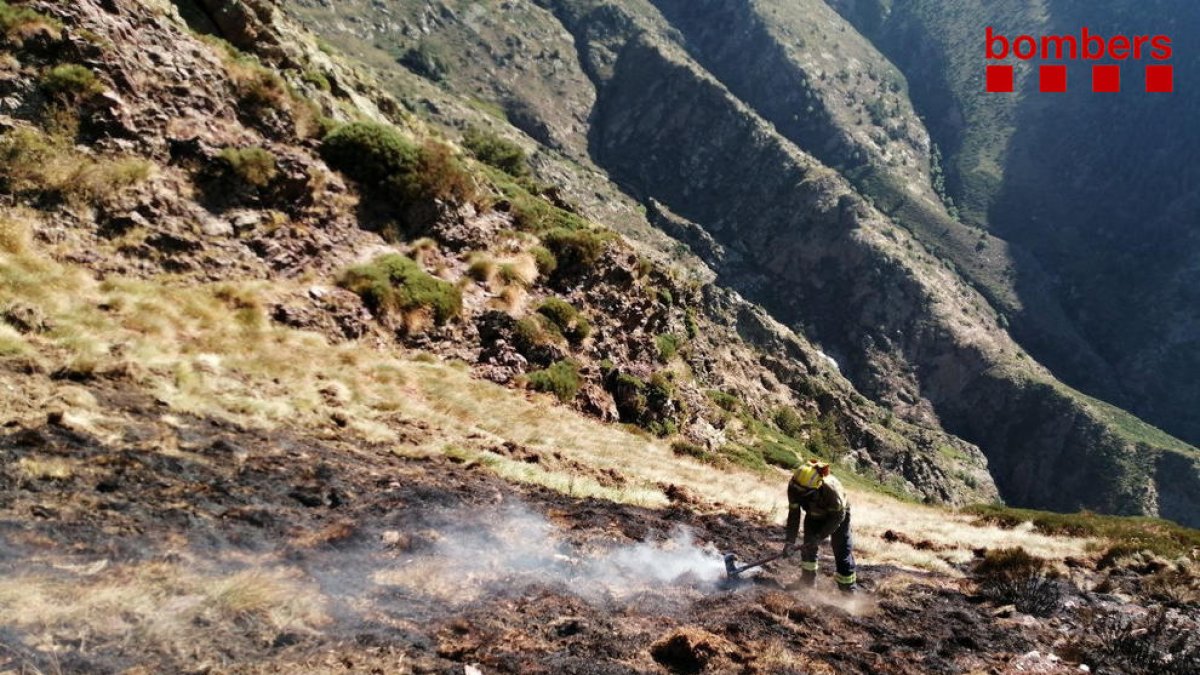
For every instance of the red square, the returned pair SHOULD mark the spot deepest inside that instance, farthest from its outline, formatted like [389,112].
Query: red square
[1106,79]
[1160,79]
[1052,79]
[1000,79]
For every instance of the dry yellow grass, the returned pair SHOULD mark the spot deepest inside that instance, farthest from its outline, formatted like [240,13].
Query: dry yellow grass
[15,232]
[36,161]
[51,468]
[159,604]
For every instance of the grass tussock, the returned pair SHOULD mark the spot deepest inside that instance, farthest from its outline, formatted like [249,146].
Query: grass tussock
[262,94]
[568,320]
[52,468]
[393,285]
[561,379]
[71,83]
[18,24]
[16,233]
[254,165]
[33,162]
[577,250]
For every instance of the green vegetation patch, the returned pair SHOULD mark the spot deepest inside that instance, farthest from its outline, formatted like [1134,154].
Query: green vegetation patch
[561,379]
[254,165]
[668,346]
[577,250]
[789,421]
[498,152]
[370,153]
[1131,533]
[544,259]
[396,283]
[570,322]
[779,454]
[384,161]
[683,448]
[71,82]
[15,21]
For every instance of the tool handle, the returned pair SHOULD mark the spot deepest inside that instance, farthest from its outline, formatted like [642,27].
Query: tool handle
[756,563]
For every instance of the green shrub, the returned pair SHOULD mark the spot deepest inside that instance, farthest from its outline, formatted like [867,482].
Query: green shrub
[573,325]
[425,60]
[664,297]
[545,260]
[779,454]
[71,82]
[317,79]
[668,346]
[689,321]
[743,456]
[789,421]
[496,151]
[725,401]
[16,21]
[561,379]
[383,160]
[370,153]
[395,283]
[534,331]
[576,250]
[256,166]
[826,441]
[533,214]
[689,449]
[660,390]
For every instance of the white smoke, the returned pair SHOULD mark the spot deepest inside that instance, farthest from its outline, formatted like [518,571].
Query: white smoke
[510,548]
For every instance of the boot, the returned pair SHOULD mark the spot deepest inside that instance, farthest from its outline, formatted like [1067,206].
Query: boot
[808,578]
[848,589]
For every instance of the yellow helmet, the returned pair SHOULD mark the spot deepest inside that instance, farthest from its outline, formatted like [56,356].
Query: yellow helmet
[811,475]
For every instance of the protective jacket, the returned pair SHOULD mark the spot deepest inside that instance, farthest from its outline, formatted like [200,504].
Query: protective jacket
[827,503]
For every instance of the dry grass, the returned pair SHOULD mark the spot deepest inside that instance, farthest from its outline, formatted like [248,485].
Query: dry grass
[775,657]
[53,468]
[158,604]
[33,161]
[15,233]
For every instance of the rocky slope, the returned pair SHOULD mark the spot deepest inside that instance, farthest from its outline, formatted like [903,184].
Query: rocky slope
[831,220]
[662,351]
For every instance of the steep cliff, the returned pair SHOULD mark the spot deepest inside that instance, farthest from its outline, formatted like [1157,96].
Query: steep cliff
[1100,190]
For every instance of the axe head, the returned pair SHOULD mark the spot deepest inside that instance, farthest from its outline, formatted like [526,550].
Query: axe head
[731,568]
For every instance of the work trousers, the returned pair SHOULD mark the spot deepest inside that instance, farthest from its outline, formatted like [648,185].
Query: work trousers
[843,548]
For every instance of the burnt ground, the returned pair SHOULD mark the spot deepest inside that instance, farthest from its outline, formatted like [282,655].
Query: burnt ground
[361,529]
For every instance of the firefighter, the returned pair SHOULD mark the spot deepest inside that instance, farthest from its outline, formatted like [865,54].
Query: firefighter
[826,515]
